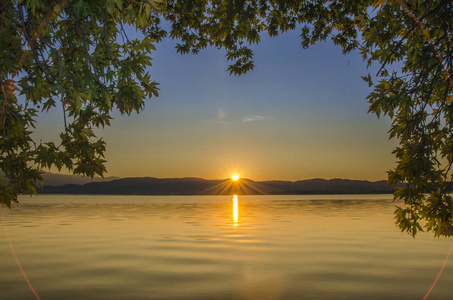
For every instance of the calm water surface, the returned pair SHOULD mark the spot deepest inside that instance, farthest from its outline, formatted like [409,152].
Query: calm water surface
[205,247]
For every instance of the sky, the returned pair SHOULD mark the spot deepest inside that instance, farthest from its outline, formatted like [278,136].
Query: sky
[300,114]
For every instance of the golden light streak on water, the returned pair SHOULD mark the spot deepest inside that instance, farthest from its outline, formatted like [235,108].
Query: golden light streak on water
[235,210]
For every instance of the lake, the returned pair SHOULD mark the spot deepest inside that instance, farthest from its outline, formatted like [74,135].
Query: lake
[211,247]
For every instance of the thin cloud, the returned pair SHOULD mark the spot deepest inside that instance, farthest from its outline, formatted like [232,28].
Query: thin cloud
[220,117]
[254,118]
[216,122]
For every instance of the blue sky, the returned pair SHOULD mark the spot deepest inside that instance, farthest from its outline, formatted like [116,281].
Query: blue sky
[299,114]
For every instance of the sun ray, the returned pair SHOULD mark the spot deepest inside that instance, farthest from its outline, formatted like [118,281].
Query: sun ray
[249,185]
[216,189]
[231,187]
[228,186]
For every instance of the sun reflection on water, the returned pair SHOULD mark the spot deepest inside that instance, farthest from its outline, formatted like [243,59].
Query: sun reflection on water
[235,210]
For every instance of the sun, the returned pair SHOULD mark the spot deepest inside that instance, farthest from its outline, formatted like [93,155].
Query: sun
[235,177]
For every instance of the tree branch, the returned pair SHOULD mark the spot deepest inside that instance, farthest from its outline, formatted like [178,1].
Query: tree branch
[22,125]
[83,41]
[32,44]
[106,33]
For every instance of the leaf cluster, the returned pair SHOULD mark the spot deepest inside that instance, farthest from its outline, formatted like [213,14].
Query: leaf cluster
[75,56]
[417,38]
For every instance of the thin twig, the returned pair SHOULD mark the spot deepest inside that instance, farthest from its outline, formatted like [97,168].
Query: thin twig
[5,101]
[106,33]
[62,91]
[123,33]
[394,50]
[428,37]
[32,44]
[22,125]
[83,41]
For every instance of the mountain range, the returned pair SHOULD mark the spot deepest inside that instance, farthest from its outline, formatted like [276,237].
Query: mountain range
[199,186]
[55,179]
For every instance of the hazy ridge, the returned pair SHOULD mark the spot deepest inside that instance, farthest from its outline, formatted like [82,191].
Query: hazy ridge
[199,186]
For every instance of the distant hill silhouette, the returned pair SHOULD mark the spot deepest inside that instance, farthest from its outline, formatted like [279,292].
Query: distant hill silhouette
[55,179]
[62,179]
[198,186]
